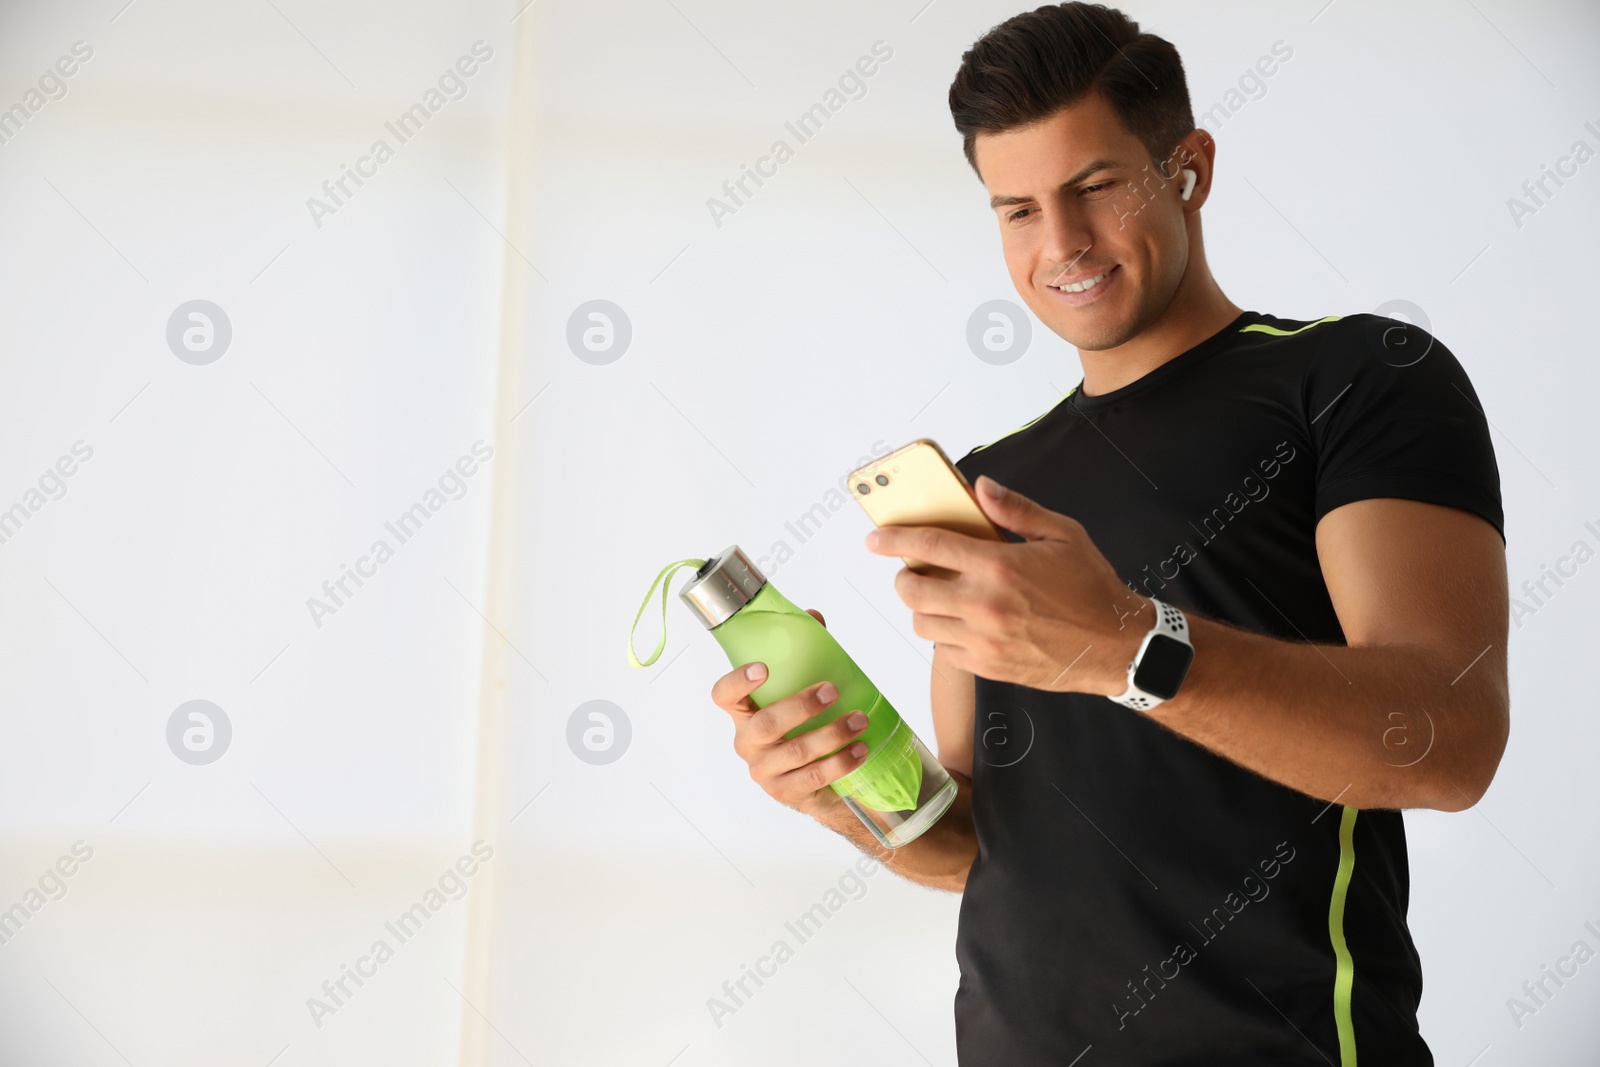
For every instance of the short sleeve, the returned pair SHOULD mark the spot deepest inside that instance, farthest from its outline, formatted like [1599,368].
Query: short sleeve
[1393,414]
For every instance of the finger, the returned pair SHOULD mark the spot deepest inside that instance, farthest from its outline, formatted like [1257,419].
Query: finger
[929,594]
[815,614]
[931,544]
[940,629]
[767,726]
[732,691]
[786,755]
[819,774]
[1022,515]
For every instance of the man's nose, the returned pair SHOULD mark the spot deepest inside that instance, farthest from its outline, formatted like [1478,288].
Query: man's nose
[1067,236]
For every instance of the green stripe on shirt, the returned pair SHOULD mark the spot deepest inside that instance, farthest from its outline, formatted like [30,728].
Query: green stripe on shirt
[1261,327]
[1344,971]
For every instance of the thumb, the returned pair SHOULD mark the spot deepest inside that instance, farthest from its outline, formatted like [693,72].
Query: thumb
[1017,513]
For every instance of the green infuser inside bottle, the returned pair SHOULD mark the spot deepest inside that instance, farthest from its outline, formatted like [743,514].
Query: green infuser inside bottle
[900,789]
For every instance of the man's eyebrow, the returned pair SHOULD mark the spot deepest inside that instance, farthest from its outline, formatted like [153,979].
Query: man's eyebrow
[1099,164]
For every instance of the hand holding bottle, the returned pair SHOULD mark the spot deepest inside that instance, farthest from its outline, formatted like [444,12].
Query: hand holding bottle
[796,772]
[880,770]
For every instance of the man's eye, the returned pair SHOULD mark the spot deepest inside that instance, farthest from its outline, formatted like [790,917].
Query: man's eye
[1015,215]
[1097,188]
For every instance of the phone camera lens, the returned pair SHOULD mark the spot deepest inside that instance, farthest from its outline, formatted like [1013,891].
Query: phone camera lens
[882,479]
[863,488]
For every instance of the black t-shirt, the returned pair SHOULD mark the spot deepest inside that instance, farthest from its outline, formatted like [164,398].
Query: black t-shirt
[1134,893]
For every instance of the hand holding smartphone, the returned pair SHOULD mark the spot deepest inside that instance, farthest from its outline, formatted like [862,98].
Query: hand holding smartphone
[918,486]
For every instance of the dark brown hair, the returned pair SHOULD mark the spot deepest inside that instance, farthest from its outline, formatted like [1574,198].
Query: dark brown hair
[1036,63]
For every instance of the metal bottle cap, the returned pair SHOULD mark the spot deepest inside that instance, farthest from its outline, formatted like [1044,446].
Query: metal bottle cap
[724,585]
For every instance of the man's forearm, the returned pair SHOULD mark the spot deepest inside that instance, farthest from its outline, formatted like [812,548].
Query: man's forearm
[1372,727]
[939,858]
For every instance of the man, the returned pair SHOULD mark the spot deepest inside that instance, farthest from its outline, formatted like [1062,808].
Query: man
[1164,859]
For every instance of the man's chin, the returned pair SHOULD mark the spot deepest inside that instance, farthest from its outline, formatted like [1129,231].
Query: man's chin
[1090,333]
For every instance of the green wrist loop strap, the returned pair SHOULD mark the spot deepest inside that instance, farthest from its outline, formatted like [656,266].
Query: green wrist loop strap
[664,580]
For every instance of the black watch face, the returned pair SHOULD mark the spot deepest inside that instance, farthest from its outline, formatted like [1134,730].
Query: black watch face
[1162,667]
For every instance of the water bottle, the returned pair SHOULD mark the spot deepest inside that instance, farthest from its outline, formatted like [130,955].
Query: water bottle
[900,789]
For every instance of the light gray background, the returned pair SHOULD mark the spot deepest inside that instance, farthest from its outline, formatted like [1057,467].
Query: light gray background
[767,355]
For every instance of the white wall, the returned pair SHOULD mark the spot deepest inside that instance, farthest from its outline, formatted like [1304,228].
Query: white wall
[767,354]
[218,499]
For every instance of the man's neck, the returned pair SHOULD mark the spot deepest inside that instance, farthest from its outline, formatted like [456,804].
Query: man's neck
[1193,316]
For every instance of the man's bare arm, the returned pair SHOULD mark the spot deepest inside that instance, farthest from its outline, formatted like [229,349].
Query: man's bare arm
[938,859]
[1420,592]
[1414,711]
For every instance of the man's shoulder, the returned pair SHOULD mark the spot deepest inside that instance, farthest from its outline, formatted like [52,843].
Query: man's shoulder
[1346,347]
[1362,333]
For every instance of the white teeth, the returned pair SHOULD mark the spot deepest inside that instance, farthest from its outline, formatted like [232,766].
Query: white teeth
[1085,286]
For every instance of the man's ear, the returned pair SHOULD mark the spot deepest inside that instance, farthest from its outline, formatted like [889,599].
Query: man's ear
[1192,157]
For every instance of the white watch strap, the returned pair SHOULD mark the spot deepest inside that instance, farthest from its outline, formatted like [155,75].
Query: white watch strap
[1170,621]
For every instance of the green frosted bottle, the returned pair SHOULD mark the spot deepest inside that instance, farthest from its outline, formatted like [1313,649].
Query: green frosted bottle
[901,789]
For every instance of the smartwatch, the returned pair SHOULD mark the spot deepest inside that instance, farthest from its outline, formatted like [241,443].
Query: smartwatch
[1163,659]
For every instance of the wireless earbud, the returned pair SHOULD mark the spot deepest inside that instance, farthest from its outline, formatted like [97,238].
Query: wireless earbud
[1189,177]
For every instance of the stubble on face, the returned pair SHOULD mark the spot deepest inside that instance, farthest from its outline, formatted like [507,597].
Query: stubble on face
[1068,225]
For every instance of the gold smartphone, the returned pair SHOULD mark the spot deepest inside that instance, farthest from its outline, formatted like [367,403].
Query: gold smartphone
[918,486]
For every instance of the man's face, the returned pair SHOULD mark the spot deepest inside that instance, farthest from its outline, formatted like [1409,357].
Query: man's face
[1078,196]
